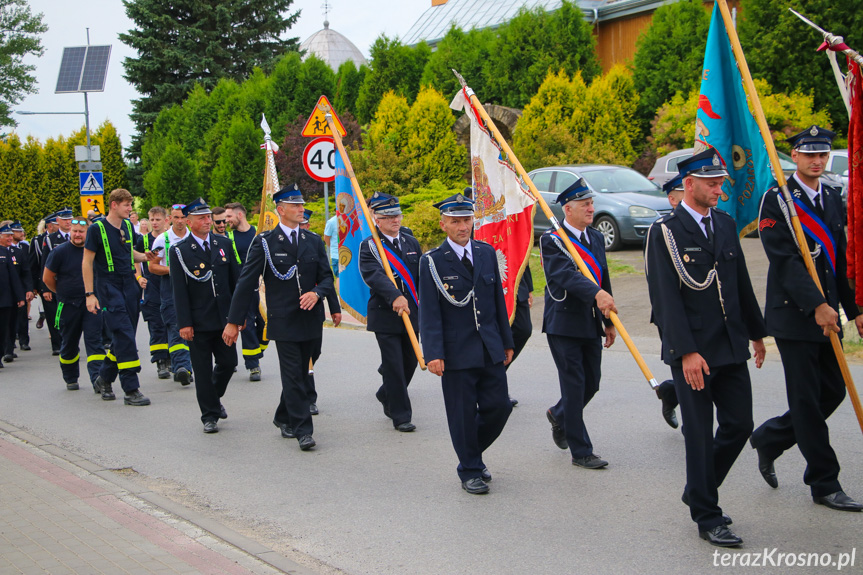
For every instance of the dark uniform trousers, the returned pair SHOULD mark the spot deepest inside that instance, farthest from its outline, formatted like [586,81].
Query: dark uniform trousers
[472,346]
[574,328]
[692,321]
[203,306]
[813,380]
[317,347]
[118,297]
[294,330]
[49,243]
[398,359]
[151,314]
[522,326]
[178,347]
[5,313]
[74,320]
[18,322]
[251,342]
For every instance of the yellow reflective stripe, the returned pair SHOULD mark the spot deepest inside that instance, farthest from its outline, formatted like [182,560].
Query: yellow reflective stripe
[129,364]
[110,356]
[158,346]
[95,358]
[178,347]
[251,351]
[264,346]
[68,361]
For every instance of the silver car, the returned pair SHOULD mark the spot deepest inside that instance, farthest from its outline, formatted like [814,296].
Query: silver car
[626,203]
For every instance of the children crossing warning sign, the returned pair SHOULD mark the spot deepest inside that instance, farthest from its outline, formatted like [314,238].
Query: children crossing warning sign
[317,123]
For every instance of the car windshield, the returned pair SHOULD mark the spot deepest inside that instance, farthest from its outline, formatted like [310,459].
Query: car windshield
[620,180]
[786,162]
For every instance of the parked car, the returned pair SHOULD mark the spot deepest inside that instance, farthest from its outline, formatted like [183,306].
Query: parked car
[665,167]
[838,164]
[626,202]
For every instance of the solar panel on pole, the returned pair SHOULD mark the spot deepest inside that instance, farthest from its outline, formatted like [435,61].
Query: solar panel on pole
[83,69]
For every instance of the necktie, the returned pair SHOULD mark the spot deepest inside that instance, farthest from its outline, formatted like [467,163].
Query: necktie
[582,238]
[294,238]
[706,221]
[818,205]
[207,248]
[467,264]
[396,245]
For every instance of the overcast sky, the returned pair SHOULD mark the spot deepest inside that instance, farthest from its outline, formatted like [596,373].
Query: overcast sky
[360,20]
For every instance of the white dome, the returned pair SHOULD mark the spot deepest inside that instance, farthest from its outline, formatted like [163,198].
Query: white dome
[332,47]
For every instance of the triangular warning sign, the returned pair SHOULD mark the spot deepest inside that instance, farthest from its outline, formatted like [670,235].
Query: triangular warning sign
[92,185]
[317,122]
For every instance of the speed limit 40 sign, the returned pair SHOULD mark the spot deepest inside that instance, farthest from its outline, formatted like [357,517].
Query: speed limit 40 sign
[319,159]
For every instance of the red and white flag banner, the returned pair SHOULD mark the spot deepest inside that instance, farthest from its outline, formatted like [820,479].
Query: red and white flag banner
[855,179]
[503,212]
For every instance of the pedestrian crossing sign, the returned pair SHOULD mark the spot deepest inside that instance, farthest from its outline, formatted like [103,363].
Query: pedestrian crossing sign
[91,183]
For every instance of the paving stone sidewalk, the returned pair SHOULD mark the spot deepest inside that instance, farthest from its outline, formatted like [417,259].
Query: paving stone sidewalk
[58,515]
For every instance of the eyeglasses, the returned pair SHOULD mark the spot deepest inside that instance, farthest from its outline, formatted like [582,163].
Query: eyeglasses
[80,222]
[178,206]
[219,222]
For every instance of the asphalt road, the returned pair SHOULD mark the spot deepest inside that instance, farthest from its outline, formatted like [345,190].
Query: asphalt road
[370,500]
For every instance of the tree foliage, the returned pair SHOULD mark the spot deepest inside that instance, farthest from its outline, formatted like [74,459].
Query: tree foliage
[181,43]
[348,82]
[786,115]
[781,49]
[669,56]
[569,122]
[37,179]
[19,37]
[467,53]
[394,67]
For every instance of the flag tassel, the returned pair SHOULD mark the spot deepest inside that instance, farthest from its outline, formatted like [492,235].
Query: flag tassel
[556,225]
[362,201]
[749,85]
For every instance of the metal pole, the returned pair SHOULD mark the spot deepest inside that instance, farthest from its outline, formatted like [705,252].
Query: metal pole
[87,113]
[326,202]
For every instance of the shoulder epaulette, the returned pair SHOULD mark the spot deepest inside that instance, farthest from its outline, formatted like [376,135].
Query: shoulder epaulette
[723,212]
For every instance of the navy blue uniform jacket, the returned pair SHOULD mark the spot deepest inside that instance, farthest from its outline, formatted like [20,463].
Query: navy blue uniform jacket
[792,296]
[577,314]
[11,290]
[691,320]
[285,320]
[449,332]
[194,301]
[380,316]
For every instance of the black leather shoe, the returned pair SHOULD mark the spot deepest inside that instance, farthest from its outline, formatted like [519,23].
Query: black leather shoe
[670,417]
[406,427]
[513,401]
[286,430]
[557,434]
[14,355]
[313,409]
[721,536]
[72,386]
[41,321]
[307,442]
[486,475]
[55,352]
[838,501]
[726,518]
[765,466]
[590,462]
[222,413]
[255,374]
[211,427]
[475,486]
[107,391]
[97,385]
[162,371]
[136,398]
[25,347]
[8,358]
[183,376]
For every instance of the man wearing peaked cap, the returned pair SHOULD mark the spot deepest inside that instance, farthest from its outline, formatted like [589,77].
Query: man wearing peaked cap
[37,261]
[575,320]
[297,277]
[466,338]
[63,222]
[11,289]
[673,188]
[151,301]
[205,271]
[690,256]
[800,318]
[18,322]
[388,302]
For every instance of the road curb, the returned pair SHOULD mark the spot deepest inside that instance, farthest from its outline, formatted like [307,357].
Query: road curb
[128,486]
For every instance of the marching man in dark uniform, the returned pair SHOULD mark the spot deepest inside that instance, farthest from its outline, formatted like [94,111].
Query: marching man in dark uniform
[62,276]
[51,240]
[387,302]
[297,277]
[36,262]
[573,319]
[466,338]
[109,265]
[204,272]
[20,261]
[151,304]
[704,306]
[800,318]
[11,290]
[22,255]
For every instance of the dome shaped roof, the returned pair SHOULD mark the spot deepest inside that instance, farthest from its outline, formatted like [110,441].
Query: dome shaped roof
[332,47]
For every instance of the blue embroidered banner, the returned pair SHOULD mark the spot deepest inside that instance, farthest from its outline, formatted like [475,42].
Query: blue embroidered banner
[353,291]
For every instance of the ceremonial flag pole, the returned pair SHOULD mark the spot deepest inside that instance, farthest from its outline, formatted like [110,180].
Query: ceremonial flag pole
[267,218]
[556,225]
[368,217]
[749,85]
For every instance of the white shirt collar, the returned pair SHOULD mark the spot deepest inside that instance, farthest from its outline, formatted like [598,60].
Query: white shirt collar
[200,241]
[392,238]
[809,191]
[460,250]
[174,237]
[697,217]
[577,232]
[288,229]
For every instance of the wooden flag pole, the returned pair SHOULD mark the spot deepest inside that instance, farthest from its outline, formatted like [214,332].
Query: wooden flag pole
[556,225]
[362,201]
[749,85]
